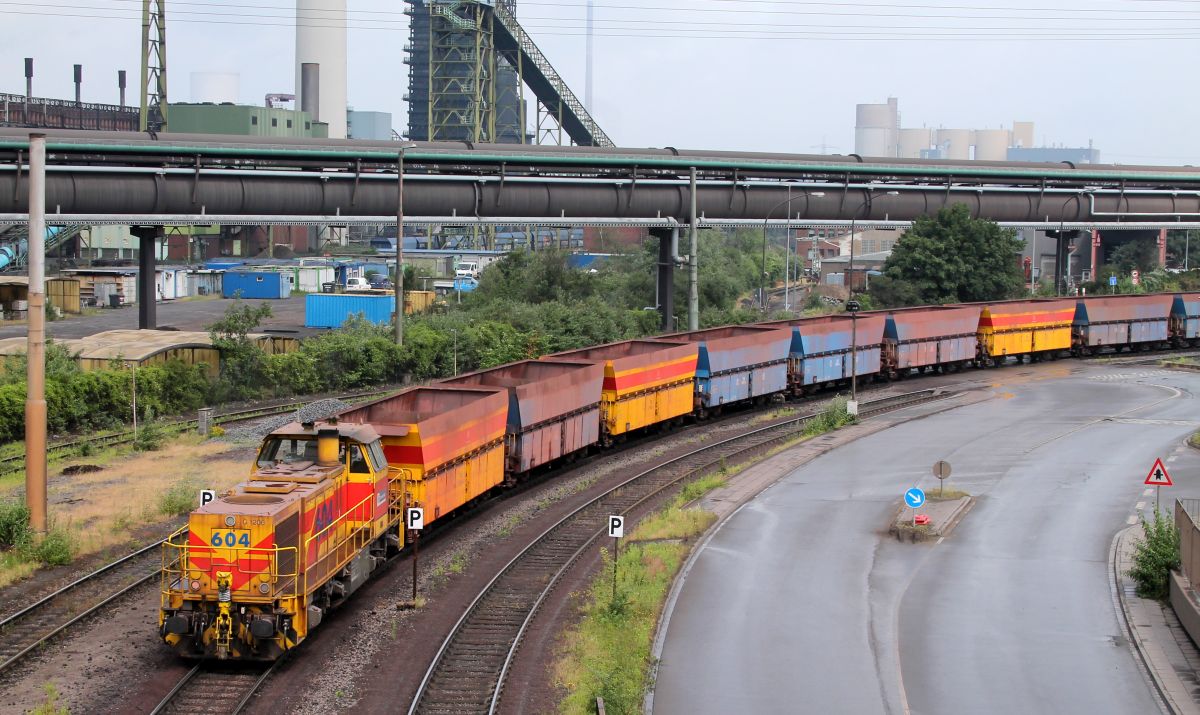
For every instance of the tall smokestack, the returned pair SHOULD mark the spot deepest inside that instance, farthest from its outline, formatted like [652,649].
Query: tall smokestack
[321,40]
[121,86]
[310,89]
[78,83]
[28,78]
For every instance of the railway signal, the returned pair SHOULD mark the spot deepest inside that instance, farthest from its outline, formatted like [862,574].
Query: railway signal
[1158,478]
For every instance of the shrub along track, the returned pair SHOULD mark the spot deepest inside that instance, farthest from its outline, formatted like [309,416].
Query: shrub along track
[16,462]
[469,670]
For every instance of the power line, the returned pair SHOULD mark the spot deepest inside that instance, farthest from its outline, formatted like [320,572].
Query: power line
[649,33]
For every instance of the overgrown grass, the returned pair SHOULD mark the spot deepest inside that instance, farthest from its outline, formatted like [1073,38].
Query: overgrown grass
[607,653]
[177,499]
[947,495]
[1194,440]
[1155,556]
[832,417]
[50,705]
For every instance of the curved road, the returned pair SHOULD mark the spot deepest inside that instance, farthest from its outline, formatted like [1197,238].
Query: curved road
[801,603]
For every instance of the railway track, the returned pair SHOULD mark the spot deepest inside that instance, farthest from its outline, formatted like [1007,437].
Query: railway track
[16,462]
[469,671]
[214,689]
[24,631]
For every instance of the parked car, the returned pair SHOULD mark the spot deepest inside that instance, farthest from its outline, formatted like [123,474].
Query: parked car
[357,285]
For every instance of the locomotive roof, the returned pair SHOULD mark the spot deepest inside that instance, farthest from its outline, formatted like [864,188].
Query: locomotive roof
[358,432]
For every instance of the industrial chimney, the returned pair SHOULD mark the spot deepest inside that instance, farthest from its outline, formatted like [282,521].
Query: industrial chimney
[321,41]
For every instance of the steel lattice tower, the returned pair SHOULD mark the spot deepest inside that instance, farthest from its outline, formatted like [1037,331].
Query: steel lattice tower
[154,66]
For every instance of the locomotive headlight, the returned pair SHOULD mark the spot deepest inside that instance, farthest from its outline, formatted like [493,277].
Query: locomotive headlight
[230,520]
[195,585]
[264,588]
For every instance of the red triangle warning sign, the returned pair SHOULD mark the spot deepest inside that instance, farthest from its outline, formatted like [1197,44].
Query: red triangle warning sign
[1158,476]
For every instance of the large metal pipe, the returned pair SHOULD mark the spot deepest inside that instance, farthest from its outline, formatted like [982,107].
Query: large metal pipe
[263,193]
[36,465]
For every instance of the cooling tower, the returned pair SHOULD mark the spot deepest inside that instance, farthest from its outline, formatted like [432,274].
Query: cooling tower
[321,40]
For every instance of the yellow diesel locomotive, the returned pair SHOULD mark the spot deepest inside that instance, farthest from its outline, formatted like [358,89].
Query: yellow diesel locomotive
[255,570]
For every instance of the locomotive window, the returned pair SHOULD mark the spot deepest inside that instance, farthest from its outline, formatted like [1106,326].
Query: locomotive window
[358,463]
[377,455]
[287,451]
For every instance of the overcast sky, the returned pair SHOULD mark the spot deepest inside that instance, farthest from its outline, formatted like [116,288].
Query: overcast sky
[713,74]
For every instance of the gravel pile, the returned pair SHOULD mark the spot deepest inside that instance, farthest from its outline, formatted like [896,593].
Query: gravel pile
[256,430]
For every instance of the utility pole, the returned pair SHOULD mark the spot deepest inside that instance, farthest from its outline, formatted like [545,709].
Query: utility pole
[400,248]
[694,263]
[35,398]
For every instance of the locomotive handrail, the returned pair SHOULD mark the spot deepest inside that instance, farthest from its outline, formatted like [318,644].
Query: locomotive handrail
[179,569]
[336,546]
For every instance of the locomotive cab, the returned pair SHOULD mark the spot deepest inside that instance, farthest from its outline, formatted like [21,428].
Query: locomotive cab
[256,569]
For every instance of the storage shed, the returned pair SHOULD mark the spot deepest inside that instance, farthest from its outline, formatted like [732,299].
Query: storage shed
[63,293]
[271,285]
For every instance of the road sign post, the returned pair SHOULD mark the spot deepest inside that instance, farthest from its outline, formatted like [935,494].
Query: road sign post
[414,521]
[914,498]
[1158,478]
[616,529]
[941,470]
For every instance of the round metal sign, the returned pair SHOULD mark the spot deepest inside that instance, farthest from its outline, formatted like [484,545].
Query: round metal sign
[941,469]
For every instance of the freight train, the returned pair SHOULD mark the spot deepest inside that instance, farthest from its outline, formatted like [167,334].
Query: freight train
[257,569]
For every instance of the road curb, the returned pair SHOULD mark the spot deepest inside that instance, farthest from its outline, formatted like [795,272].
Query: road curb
[1149,672]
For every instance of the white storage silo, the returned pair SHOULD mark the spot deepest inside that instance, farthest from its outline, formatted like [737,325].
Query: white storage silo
[954,143]
[321,40]
[913,141]
[992,144]
[875,129]
[1022,135]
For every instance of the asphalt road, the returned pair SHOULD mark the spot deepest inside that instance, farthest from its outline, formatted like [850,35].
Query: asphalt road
[801,603]
[287,315]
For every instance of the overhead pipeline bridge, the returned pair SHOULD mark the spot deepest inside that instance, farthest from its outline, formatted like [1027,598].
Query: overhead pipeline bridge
[131,178]
[145,182]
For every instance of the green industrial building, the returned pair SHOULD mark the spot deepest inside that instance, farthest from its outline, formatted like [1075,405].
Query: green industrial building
[244,120]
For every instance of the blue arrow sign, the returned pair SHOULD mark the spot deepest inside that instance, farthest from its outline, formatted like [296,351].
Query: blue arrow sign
[914,497]
[1112,280]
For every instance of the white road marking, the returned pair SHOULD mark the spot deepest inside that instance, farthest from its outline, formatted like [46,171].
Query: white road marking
[1139,506]
[1173,457]
[941,539]
[1148,491]
[1131,520]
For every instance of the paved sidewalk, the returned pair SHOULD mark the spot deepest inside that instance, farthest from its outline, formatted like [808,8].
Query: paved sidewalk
[1164,648]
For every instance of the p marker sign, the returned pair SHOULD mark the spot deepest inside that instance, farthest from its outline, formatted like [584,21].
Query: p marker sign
[616,526]
[207,495]
[414,518]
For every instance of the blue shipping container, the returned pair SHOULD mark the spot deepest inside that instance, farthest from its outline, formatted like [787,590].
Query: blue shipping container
[250,284]
[331,310]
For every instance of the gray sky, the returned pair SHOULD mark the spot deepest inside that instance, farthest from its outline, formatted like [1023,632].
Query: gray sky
[714,74]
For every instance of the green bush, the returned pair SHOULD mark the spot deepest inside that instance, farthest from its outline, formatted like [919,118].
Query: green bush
[56,548]
[178,499]
[150,435]
[14,525]
[1155,556]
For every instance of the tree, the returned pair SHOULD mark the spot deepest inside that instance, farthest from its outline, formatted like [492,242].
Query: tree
[951,258]
[1134,254]
[242,368]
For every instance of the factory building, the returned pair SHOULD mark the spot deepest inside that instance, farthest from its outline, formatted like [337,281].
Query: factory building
[878,133]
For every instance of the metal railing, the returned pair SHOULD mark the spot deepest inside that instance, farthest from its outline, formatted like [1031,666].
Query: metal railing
[178,570]
[330,555]
[1187,514]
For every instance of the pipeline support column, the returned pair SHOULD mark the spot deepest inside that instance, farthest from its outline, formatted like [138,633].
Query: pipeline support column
[147,283]
[36,465]
[666,275]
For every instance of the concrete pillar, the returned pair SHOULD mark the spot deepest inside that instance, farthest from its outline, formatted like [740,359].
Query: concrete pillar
[1096,253]
[1162,247]
[666,276]
[147,298]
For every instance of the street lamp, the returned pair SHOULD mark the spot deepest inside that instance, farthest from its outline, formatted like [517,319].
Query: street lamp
[853,306]
[762,281]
